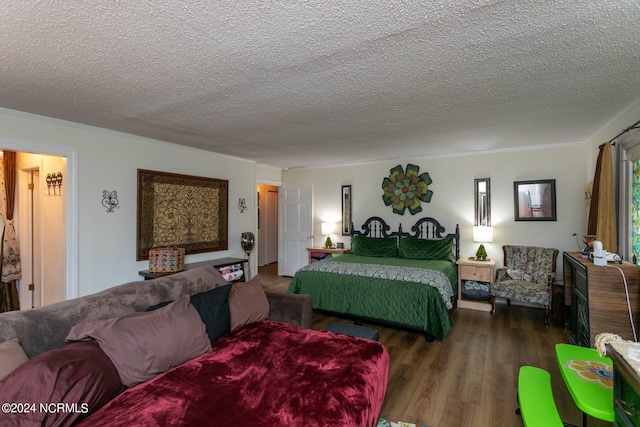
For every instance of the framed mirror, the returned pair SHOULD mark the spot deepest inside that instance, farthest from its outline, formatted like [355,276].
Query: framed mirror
[482,194]
[346,210]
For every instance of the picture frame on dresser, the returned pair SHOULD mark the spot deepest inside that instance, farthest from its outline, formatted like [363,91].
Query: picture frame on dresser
[535,200]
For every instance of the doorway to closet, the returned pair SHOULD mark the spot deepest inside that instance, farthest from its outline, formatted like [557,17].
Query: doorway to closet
[267,224]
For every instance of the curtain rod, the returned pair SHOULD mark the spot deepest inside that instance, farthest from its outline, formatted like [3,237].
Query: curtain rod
[632,127]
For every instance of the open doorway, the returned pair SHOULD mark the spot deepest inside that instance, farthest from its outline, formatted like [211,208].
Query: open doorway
[41,228]
[267,224]
[69,256]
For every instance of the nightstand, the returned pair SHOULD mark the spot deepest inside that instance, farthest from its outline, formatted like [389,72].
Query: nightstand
[318,254]
[480,271]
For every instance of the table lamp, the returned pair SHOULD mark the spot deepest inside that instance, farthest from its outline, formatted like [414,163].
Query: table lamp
[328,228]
[482,234]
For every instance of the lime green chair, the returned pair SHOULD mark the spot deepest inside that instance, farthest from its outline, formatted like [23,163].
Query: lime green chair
[535,396]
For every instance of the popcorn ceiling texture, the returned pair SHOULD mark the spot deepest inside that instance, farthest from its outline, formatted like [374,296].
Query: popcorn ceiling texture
[318,82]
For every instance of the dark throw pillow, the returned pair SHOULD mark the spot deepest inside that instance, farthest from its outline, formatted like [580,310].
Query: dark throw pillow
[142,345]
[374,246]
[213,308]
[437,250]
[248,303]
[77,374]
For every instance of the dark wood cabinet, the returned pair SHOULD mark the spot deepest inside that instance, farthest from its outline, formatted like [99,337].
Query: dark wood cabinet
[599,298]
[626,385]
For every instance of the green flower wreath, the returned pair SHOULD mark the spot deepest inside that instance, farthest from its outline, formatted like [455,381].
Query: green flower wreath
[406,190]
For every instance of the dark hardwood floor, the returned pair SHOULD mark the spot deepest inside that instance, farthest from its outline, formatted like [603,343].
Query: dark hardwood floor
[469,378]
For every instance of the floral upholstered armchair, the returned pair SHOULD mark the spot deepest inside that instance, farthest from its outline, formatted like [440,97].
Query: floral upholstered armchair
[527,276]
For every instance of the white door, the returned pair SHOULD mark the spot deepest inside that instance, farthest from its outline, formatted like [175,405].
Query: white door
[295,217]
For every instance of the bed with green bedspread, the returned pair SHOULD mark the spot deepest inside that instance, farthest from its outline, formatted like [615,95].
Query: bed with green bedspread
[388,289]
[384,282]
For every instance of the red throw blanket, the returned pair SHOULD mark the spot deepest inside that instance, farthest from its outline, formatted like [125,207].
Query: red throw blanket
[263,374]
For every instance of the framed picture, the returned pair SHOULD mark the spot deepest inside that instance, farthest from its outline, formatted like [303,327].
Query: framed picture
[346,210]
[183,211]
[535,200]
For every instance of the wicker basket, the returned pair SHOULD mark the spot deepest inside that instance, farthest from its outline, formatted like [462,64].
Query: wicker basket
[166,260]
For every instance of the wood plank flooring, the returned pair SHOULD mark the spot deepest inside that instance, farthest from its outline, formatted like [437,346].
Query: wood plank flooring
[469,378]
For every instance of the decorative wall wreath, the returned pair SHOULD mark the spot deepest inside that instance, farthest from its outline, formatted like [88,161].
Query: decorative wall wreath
[405,190]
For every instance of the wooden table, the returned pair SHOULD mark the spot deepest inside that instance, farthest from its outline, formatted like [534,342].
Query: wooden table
[217,263]
[589,379]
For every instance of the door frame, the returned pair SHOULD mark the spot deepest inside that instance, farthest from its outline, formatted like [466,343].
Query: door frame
[28,244]
[273,183]
[71,192]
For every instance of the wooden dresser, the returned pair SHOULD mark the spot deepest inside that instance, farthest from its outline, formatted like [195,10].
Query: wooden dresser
[598,298]
[626,383]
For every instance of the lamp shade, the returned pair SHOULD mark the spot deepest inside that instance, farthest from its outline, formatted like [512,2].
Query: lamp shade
[482,234]
[328,228]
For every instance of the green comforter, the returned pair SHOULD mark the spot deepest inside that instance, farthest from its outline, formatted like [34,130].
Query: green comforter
[359,286]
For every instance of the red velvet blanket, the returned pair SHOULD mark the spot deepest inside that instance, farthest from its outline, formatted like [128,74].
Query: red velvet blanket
[263,374]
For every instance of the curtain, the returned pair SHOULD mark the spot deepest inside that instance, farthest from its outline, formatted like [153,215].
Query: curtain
[635,211]
[11,267]
[602,212]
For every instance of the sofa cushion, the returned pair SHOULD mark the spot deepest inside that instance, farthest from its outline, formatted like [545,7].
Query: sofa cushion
[519,275]
[213,308]
[143,345]
[519,290]
[45,328]
[11,356]
[247,303]
[77,374]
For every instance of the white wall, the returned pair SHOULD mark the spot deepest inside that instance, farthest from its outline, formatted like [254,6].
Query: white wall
[452,201]
[107,160]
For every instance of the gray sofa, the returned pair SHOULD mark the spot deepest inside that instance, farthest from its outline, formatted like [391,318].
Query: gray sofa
[45,328]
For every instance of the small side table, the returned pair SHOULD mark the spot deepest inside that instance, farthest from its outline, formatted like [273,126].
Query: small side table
[480,271]
[318,254]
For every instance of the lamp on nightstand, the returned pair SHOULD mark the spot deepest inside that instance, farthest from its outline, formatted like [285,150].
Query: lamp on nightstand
[328,228]
[482,234]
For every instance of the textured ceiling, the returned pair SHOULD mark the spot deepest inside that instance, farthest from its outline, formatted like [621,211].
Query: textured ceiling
[318,82]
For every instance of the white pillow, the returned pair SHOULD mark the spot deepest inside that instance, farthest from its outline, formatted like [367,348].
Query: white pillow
[11,356]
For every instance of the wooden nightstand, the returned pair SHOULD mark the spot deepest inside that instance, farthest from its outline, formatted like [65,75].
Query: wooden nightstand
[480,271]
[318,254]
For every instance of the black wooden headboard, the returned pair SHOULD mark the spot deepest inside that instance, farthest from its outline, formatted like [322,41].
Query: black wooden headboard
[424,228]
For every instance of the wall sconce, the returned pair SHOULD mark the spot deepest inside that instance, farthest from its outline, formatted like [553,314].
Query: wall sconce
[54,180]
[242,205]
[482,234]
[110,200]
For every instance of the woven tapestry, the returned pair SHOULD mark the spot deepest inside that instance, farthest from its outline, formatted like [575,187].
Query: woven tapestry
[181,211]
